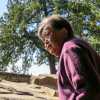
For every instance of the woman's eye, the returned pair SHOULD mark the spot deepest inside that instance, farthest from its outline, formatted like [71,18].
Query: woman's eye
[46,33]
[46,30]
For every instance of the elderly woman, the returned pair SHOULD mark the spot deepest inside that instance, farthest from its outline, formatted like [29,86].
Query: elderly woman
[79,65]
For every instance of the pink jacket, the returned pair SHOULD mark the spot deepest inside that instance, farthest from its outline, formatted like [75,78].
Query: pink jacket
[78,72]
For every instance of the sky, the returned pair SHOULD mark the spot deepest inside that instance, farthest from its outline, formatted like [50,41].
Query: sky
[3,4]
[35,69]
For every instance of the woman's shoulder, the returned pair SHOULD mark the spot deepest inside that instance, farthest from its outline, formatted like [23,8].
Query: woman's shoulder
[74,43]
[70,44]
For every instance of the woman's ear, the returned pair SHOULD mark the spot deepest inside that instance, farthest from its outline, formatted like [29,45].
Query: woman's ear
[60,35]
[63,33]
[64,30]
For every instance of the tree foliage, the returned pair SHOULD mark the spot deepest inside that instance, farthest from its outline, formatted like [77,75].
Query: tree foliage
[18,28]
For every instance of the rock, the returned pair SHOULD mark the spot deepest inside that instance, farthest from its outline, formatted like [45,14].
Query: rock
[49,81]
[42,87]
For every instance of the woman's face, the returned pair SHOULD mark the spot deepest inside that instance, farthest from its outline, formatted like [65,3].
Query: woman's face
[50,45]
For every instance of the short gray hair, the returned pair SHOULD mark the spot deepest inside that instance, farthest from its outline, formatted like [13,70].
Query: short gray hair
[57,23]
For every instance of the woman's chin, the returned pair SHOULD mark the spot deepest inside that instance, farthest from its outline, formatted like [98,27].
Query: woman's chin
[54,53]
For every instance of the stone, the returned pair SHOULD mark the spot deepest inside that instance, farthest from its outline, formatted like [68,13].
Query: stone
[42,87]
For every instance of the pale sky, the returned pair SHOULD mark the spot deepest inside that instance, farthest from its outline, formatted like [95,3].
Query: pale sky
[35,69]
[3,8]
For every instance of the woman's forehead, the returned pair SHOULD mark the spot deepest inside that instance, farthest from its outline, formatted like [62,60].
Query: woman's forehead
[47,29]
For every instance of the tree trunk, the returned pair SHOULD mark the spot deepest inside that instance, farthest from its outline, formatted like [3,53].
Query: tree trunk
[51,60]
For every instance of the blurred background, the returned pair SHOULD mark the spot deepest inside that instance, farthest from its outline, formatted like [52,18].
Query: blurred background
[21,51]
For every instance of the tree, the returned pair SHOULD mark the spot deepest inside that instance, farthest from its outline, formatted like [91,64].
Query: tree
[18,28]
[17,39]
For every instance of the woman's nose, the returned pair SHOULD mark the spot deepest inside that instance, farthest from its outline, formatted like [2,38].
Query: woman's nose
[47,44]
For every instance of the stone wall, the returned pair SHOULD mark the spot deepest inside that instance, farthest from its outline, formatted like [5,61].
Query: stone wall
[15,77]
[14,87]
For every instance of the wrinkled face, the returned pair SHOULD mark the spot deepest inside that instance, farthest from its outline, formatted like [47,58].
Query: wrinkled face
[49,43]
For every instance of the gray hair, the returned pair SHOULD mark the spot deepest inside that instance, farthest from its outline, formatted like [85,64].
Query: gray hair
[57,23]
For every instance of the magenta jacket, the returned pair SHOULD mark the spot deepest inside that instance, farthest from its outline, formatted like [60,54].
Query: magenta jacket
[78,72]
